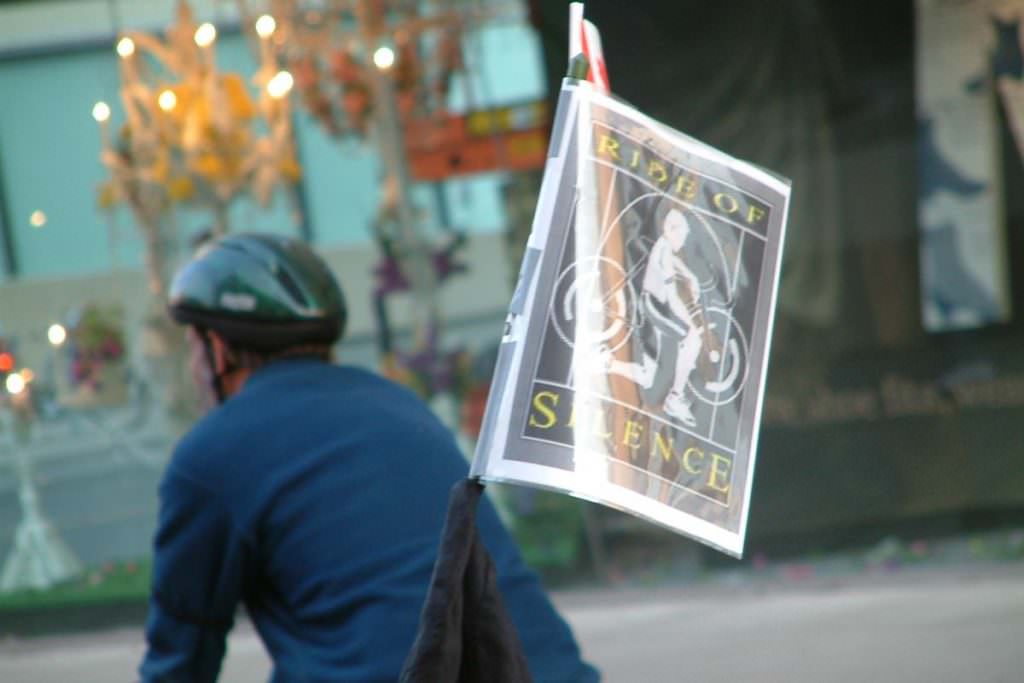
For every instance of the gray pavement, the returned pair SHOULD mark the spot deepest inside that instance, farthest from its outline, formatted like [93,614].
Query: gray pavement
[908,626]
[95,475]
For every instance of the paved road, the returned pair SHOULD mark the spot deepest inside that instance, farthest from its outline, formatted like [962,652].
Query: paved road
[911,627]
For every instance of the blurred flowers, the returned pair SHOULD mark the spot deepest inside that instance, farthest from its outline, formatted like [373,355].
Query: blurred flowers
[95,341]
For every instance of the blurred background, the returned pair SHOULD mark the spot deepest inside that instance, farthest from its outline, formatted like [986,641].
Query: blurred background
[405,141]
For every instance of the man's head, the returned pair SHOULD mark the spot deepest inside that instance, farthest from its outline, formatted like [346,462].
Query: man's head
[250,298]
[676,229]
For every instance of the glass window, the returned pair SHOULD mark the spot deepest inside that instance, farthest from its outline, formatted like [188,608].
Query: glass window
[51,162]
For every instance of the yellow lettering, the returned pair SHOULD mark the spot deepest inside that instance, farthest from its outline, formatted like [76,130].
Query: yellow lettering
[572,416]
[631,437]
[664,448]
[686,459]
[657,171]
[726,202]
[635,162]
[755,213]
[609,146]
[686,186]
[547,411]
[717,471]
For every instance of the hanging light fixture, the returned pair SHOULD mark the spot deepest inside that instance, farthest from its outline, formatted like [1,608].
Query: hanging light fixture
[214,152]
[56,334]
[125,47]
[167,100]
[265,26]
[384,57]
[14,383]
[205,34]
[101,112]
[280,85]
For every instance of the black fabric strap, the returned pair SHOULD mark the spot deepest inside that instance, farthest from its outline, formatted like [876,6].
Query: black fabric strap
[465,634]
[216,377]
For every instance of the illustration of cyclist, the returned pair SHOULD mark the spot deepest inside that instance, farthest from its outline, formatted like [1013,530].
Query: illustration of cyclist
[673,320]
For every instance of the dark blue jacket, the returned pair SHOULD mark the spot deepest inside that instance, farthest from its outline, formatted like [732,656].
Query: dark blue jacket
[316,497]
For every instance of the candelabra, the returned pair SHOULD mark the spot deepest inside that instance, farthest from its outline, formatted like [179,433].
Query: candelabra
[191,134]
[383,70]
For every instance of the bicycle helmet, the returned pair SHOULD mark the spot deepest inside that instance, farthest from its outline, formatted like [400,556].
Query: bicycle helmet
[259,292]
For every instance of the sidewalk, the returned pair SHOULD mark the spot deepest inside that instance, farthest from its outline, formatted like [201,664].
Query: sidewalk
[924,624]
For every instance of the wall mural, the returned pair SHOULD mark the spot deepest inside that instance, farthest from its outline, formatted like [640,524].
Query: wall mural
[970,64]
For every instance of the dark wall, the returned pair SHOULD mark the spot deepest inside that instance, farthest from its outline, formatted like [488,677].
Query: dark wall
[819,91]
[869,419]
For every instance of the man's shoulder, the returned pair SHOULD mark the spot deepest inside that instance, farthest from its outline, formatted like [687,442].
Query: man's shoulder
[308,373]
[198,449]
[351,378]
[283,393]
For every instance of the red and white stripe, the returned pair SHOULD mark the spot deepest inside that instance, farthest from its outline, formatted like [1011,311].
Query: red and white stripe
[584,37]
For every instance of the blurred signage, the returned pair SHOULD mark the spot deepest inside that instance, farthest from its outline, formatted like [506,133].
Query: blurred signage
[511,138]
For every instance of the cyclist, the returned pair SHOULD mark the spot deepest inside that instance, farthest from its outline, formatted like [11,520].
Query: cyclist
[671,301]
[313,494]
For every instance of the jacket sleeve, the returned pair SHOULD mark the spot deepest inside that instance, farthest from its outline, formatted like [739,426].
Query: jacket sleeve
[198,574]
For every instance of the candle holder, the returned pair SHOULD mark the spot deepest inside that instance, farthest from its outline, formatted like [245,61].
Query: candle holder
[383,71]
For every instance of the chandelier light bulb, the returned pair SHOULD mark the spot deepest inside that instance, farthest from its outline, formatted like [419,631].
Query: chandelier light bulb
[280,85]
[384,57]
[15,384]
[125,47]
[56,334]
[205,35]
[265,26]
[101,112]
[167,100]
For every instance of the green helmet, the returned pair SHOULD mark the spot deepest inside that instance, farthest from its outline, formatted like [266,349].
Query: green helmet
[260,292]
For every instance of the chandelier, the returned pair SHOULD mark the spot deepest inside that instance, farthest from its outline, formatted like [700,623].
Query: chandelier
[193,135]
[384,71]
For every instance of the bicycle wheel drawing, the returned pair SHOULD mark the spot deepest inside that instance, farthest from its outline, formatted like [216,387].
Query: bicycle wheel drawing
[729,362]
[582,298]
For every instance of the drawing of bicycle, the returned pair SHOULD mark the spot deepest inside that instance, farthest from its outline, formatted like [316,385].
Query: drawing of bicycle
[598,294]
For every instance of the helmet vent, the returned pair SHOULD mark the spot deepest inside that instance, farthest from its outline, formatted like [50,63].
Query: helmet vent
[260,292]
[290,286]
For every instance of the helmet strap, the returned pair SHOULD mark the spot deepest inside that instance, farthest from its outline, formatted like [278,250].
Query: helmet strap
[216,376]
